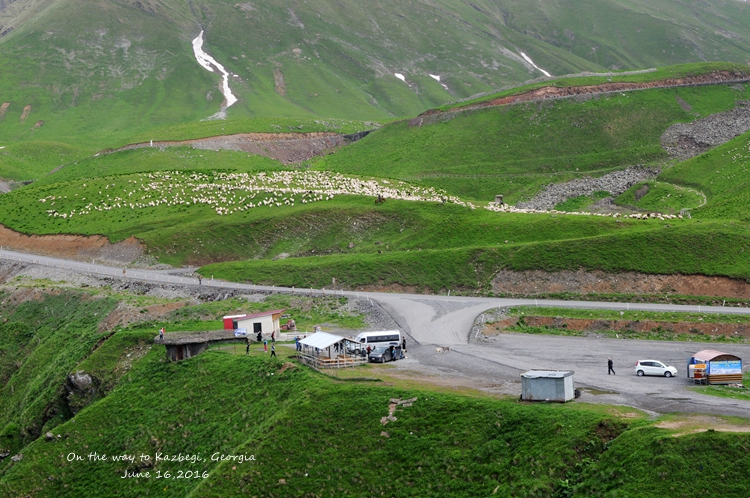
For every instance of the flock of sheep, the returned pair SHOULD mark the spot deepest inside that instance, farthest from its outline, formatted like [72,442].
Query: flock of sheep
[230,193]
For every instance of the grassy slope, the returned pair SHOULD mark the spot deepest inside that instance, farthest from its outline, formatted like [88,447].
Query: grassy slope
[97,74]
[710,249]
[722,175]
[311,434]
[515,150]
[661,197]
[43,341]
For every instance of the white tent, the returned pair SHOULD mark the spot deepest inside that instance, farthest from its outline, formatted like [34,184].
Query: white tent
[321,340]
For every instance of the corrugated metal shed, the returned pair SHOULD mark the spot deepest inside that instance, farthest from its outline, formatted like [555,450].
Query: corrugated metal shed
[547,385]
[547,374]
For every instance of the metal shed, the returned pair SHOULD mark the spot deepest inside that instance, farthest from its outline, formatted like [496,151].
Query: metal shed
[547,385]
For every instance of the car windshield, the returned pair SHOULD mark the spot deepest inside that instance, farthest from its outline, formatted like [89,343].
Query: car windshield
[379,349]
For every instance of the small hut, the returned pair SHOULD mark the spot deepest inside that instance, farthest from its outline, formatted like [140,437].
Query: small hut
[547,385]
[266,322]
[714,367]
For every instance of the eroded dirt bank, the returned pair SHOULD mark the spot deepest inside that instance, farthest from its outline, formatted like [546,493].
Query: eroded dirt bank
[583,282]
[78,247]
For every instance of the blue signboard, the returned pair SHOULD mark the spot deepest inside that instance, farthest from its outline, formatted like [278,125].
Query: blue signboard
[240,332]
[725,367]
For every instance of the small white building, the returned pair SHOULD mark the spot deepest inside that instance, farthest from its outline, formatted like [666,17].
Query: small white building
[266,322]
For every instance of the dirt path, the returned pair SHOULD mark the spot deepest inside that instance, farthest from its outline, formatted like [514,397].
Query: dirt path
[285,147]
[553,92]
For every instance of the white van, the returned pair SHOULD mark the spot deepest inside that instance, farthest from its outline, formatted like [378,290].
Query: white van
[379,338]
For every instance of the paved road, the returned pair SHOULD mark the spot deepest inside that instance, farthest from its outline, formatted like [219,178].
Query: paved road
[428,319]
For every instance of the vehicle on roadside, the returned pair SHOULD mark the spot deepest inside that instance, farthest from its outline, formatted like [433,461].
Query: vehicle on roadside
[378,338]
[654,367]
[381,354]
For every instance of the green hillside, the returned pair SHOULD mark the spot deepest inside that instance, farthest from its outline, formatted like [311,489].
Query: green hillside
[515,150]
[300,432]
[722,175]
[95,73]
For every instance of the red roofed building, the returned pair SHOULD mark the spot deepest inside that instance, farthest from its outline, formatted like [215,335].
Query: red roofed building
[265,322]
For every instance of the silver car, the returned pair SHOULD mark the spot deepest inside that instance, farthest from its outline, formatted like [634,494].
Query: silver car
[654,367]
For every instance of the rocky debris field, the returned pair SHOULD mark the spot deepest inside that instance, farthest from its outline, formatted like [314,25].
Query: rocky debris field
[684,140]
[615,183]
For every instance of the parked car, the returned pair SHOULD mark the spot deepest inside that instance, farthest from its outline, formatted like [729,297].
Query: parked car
[654,367]
[381,354]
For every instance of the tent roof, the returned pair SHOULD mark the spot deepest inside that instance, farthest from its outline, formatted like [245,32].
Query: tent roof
[709,354]
[321,340]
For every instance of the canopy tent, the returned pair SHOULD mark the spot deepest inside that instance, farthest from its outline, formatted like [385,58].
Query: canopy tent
[324,350]
[321,340]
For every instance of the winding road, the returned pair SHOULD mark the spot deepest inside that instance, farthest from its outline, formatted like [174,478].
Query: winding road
[431,320]
[428,319]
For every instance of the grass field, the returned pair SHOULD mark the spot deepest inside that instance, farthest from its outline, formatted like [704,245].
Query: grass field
[722,175]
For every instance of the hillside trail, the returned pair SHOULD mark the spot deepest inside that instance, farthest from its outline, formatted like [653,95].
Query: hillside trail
[554,92]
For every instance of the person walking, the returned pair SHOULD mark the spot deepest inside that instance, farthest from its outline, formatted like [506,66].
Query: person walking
[265,345]
[273,336]
[161,334]
[247,348]
[610,365]
[273,350]
[200,280]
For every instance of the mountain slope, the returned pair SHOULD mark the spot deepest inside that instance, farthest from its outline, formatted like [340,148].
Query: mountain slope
[98,71]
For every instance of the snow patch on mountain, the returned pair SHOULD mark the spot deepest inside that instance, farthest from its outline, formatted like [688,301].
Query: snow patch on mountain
[210,63]
[528,59]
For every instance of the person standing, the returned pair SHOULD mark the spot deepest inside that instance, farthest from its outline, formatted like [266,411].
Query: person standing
[200,279]
[273,336]
[265,345]
[161,334]
[247,348]
[610,365]
[403,344]
[273,350]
